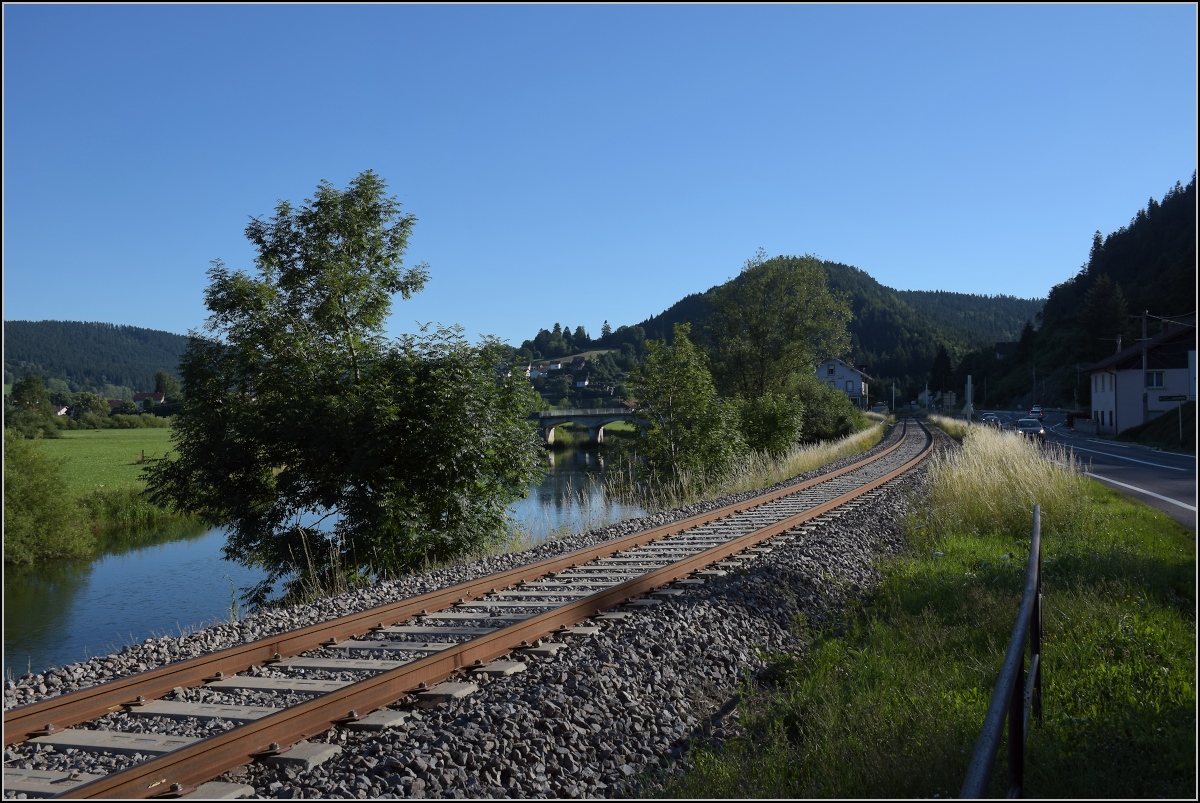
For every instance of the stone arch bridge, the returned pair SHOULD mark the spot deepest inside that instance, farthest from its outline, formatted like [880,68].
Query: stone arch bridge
[595,420]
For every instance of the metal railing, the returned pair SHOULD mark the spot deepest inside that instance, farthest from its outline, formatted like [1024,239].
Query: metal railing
[1007,703]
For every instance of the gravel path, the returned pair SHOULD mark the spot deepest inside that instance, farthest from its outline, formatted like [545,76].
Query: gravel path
[603,718]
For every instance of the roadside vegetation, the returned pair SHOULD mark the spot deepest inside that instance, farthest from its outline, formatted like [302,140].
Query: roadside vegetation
[888,701]
[1174,430]
[954,427]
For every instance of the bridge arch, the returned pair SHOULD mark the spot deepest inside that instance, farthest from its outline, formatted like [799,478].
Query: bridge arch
[595,420]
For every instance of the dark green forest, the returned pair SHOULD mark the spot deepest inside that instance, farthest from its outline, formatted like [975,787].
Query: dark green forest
[1146,267]
[111,360]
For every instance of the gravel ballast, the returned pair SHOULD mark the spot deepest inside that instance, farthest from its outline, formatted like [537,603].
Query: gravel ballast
[602,718]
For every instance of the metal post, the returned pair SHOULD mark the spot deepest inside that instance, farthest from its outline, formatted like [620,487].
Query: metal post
[1145,400]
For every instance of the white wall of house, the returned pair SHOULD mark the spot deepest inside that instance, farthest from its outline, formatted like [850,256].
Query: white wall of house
[843,377]
[1117,396]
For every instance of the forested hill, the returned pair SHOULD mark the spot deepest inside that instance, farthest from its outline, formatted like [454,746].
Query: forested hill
[983,319]
[99,357]
[896,333]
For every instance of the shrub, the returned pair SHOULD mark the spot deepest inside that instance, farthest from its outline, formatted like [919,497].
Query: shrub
[40,518]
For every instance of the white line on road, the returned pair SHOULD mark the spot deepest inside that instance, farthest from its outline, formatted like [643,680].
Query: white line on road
[1123,457]
[1142,491]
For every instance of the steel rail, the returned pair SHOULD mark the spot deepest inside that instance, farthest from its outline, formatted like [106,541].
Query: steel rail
[209,758]
[80,706]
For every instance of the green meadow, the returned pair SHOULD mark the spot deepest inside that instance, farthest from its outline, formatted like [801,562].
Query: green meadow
[108,458]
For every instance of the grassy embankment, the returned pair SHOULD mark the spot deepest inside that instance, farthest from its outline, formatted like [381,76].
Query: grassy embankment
[757,471]
[102,470]
[888,702]
[1174,430]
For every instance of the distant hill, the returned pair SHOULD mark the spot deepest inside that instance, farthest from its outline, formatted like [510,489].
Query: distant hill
[896,333]
[99,357]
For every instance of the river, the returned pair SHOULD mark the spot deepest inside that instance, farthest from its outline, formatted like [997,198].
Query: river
[74,610]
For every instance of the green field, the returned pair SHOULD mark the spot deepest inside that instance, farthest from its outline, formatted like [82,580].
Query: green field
[110,458]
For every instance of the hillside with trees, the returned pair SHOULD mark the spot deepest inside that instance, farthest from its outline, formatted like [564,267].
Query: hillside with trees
[103,358]
[896,334]
[1148,266]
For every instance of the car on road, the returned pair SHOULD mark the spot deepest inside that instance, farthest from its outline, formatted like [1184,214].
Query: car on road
[1036,412]
[990,420]
[1032,428]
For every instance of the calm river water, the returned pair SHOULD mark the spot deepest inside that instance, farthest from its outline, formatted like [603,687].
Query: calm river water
[67,612]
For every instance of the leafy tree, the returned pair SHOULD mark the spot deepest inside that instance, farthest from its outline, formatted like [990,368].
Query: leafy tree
[828,413]
[31,414]
[772,423]
[41,521]
[772,322]
[29,393]
[167,385]
[690,433]
[325,449]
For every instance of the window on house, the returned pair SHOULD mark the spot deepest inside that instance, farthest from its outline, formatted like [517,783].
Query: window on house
[1095,384]
[831,370]
[849,385]
[1154,379]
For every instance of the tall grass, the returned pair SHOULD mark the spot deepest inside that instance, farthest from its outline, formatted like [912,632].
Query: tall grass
[759,470]
[954,427]
[889,701]
[993,484]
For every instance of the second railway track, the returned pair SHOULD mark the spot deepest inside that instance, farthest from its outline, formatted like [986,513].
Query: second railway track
[297,685]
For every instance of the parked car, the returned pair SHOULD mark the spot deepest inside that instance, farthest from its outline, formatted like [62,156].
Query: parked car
[1032,428]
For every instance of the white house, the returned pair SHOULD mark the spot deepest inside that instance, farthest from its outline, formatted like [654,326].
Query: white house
[1124,397]
[841,376]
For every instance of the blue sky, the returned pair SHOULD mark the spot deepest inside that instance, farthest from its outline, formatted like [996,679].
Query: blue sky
[584,163]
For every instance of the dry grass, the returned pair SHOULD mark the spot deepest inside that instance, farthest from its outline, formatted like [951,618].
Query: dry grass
[757,471]
[992,484]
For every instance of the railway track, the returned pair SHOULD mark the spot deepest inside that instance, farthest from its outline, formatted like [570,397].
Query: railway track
[259,699]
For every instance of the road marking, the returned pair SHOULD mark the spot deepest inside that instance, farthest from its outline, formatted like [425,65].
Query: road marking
[1141,490]
[1130,459]
[1107,443]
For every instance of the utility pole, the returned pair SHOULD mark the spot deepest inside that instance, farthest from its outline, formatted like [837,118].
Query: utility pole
[1145,394]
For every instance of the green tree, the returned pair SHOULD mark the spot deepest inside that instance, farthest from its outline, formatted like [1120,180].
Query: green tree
[168,386]
[41,521]
[29,393]
[941,374]
[1026,344]
[771,423]
[325,449]
[828,413]
[605,329]
[690,433]
[31,414]
[771,323]
[1103,320]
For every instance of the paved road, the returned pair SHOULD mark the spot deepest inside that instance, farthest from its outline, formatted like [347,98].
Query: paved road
[1165,480]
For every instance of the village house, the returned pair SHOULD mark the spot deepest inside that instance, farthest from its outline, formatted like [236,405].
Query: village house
[140,399]
[1124,396]
[854,382]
